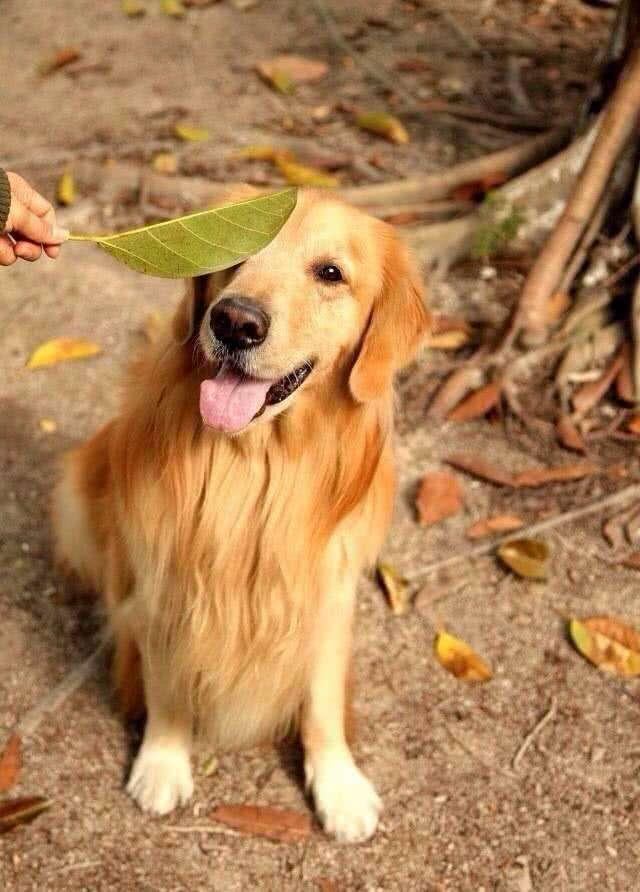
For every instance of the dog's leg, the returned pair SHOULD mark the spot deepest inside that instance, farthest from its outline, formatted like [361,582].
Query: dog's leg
[161,775]
[346,802]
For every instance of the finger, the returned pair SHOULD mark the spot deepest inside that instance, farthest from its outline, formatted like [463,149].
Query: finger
[7,254]
[52,251]
[27,250]
[24,221]
[27,195]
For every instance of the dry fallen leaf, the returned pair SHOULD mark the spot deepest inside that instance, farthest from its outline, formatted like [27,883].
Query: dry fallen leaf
[275,823]
[10,763]
[21,811]
[66,189]
[209,765]
[383,124]
[173,8]
[632,560]
[607,643]
[569,435]
[395,588]
[476,404]
[62,350]
[295,69]
[165,162]
[478,467]
[541,476]
[132,8]
[189,133]
[447,340]
[625,389]
[264,153]
[528,558]
[302,175]
[633,424]
[456,656]
[499,523]
[439,496]
[589,395]
[59,60]
[477,189]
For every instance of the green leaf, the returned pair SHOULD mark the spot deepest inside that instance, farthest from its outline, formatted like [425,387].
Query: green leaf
[201,243]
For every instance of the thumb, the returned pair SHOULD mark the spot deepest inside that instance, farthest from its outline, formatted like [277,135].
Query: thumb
[34,228]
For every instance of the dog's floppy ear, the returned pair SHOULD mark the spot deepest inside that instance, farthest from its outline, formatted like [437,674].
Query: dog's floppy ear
[398,324]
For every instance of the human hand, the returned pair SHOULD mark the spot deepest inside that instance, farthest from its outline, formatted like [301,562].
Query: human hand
[31,225]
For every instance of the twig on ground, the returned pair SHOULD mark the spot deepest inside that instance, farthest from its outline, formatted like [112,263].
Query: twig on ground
[526,743]
[618,126]
[440,185]
[616,498]
[514,82]
[202,828]
[72,681]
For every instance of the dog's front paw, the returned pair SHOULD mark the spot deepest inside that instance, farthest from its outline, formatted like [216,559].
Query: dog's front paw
[346,802]
[160,778]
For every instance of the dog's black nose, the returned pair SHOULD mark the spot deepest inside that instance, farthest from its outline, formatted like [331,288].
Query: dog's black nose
[239,324]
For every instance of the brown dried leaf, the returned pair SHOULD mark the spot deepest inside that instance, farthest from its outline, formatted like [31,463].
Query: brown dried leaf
[589,395]
[274,823]
[477,189]
[607,643]
[499,523]
[439,496]
[455,388]
[542,476]
[10,763]
[458,658]
[21,811]
[632,561]
[395,589]
[569,435]
[633,424]
[476,404]
[528,558]
[285,71]
[63,57]
[302,175]
[625,390]
[478,467]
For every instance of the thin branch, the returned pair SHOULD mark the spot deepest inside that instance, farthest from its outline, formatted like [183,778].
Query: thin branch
[526,743]
[623,495]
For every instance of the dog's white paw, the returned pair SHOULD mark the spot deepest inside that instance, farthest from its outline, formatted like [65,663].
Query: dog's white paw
[160,778]
[346,802]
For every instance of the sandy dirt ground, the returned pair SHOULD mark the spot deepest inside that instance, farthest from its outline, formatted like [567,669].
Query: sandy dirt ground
[458,816]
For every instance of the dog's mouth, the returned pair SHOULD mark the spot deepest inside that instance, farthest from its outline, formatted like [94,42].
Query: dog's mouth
[230,401]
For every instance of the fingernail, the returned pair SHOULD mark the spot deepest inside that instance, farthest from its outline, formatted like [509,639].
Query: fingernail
[60,233]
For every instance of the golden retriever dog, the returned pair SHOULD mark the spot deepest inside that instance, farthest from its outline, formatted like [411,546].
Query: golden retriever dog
[228,511]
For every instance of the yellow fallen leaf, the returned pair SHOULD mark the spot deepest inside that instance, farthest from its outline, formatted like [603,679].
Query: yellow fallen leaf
[189,133]
[66,190]
[448,340]
[607,643]
[395,589]
[132,8]
[165,162]
[301,175]
[383,124]
[62,350]
[528,558]
[458,658]
[48,426]
[173,8]
[209,765]
[264,153]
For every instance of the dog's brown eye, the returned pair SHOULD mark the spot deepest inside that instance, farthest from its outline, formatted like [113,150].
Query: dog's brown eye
[329,272]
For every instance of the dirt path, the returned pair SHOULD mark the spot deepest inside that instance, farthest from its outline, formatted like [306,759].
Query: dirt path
[457,816]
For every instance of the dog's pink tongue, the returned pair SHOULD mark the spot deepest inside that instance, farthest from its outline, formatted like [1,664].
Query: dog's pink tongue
[229,401]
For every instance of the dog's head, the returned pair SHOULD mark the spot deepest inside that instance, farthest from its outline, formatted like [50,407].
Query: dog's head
[334,297]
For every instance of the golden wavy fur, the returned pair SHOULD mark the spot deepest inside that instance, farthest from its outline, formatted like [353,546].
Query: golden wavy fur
[228,564]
